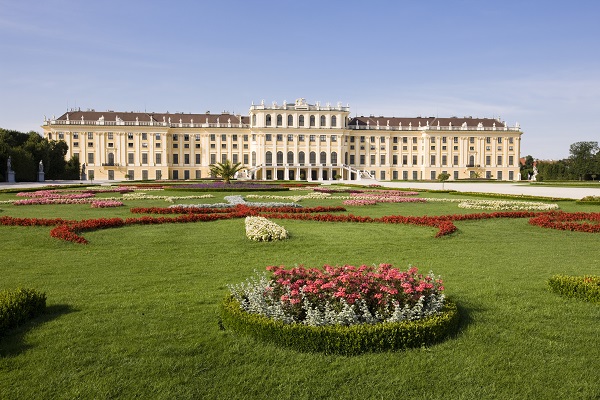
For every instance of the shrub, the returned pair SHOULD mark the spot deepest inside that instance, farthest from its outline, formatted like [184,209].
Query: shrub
[340,339]
[262,230]
[585,287]
[18,306]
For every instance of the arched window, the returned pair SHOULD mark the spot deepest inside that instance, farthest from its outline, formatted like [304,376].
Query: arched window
[333,157]
[279,120]
[290,120]
[280,158]
[472,161]
[312,120]
[253,119]
[312,158]
[322,121]
[269,158]
[333,121]
[111,159]
[323,158]
[290,157]
[268,120]
[301,158]
[301,120]
[254,159]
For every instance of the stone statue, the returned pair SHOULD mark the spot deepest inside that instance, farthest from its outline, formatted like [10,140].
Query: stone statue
[41,166]
[9,164]
[83,168]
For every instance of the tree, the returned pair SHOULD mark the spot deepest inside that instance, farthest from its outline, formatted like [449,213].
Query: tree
[527,167]
[443,177]
[226,170]
[583,159]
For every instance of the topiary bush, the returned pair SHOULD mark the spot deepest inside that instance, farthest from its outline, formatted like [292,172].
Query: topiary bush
[340,339]
[18,306]
[585,287]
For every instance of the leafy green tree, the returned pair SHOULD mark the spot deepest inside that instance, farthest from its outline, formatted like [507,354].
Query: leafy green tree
[443,177]
[583,159]
[527,167]
[225,170]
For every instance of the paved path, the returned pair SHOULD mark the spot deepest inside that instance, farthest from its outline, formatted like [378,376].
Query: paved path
[484,187]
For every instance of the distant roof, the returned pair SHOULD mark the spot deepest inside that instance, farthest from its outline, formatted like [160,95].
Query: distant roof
[415,122]
[186,118]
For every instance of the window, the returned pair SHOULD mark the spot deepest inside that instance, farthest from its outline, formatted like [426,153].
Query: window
[301,120]
[433,175]
[223,158]
[382,175]
[75,144]
[213,158]
[382,159]
[245,159]
[362,139]
[499,140]
[197,145]
[75,135]
[279,158]
[395,159]
[404,160]
[432,159]
[197,159]
[323,138]
[510,140]
[323,158]
[290,120]
[471,139]
[186,138]
[245,138]
[212,137]
[362,159]
[130,158]
[301,138]
[157,145]
[444,141]
[372,139]
[351,139]
[175,137]
[223,138]
[253,119]
[175,158]
[352,160]
[144,136]
[432,139]
[91,135]
[488,140]
[432,147]
[312,120]
[333,121]
[333,157]
[455,160]
[455,139]
[279,120]
[301,158]
[290,157]
[414,160]
[91,144]
[455,148]
[290,138]
[312,158]
[268,137]
[144,158]
[268,120]
[90,158]
[488,160]
[158,158]
[110,136]
[186,159]
[372,159]
[235,159]
[414,140]
[279,137]
[157,137]
[322,121]
[312,138]
[499,160]
[333,138]
[130,144]
[510,160]
[444,159]
[268,158]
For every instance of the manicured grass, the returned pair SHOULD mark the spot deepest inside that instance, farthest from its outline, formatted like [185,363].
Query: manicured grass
[134,314]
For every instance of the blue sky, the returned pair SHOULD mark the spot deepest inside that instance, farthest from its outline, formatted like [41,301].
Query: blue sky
[532,62]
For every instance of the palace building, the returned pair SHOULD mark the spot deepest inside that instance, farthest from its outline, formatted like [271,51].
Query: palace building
[288,141]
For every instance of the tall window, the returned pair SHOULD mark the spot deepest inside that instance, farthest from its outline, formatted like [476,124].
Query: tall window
[279,120]
[90,158]
[313,158]
[312,120]
[268,120]
[301,120]
[280,158]
[322,121]
[269,158]
[333,121]
[158,159]
[323,157]
[290,157]
[333,157]
[130,158]
[472,161]
[301,158]
[290,120]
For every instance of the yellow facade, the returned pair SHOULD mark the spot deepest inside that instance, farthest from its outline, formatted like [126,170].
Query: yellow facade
[291,141]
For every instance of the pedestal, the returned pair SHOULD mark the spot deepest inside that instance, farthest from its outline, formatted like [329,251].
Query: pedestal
[11,177]
[83,176]
[41,177]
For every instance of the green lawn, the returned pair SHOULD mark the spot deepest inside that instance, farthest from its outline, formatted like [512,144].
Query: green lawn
[134,314]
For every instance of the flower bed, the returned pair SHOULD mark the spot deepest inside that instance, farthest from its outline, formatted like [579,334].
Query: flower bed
[261,229]
[345,310]
[579,221]
[583,287]
[106,203]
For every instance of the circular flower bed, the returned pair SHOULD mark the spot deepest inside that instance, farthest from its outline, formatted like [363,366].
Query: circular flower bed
[343,310]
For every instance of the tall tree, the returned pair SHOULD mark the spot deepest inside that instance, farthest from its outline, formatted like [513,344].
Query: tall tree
[583,159]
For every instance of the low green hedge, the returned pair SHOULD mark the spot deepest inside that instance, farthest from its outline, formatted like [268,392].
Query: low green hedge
[18,306]
[585,287]
[344,340]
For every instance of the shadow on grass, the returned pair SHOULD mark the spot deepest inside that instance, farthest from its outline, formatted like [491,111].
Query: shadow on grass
[12,342]
[465,314]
